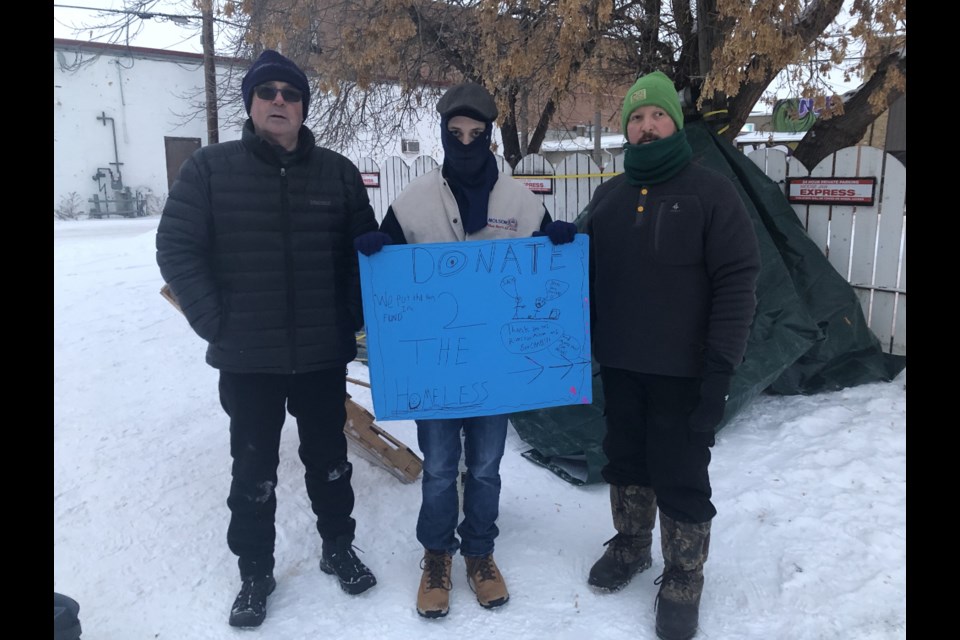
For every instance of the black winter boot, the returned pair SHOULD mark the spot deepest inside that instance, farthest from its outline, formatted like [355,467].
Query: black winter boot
[250,607]
[685,548]
[339,559]
[628,553]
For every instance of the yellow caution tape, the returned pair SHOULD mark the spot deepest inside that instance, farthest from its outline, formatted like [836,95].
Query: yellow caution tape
[572,175]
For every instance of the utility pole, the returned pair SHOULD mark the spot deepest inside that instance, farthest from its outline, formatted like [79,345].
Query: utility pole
[209,71]
[597,147]
[524,129]
[597,130]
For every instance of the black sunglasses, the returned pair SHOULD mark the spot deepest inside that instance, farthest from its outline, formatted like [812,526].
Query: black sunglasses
[266,92]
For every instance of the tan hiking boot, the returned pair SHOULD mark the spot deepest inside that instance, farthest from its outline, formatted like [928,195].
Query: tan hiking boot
[486,581]
[433,598]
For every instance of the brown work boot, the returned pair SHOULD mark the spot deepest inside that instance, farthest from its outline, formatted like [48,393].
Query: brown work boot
[433,598]
[486,581]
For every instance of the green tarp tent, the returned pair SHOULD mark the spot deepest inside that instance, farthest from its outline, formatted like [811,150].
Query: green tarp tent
[809,333]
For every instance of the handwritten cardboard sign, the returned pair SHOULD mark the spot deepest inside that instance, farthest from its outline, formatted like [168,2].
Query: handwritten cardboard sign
[463,329]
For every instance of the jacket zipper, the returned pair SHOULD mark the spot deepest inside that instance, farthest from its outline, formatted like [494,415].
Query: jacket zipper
[288,260]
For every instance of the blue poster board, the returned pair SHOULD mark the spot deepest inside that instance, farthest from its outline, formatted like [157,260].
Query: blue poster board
[462,329]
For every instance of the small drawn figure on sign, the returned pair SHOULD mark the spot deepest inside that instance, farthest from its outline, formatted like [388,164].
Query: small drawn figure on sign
[554,289]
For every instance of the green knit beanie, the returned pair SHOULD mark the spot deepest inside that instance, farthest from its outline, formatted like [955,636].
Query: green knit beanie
[656,89]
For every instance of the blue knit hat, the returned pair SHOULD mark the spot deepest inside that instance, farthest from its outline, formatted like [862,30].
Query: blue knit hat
[274,67]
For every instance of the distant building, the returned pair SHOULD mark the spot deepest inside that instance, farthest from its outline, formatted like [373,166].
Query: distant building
[125,119]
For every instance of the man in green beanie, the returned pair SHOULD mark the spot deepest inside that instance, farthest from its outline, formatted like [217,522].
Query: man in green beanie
[673,265]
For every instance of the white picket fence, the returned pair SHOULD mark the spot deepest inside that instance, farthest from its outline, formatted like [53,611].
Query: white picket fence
[866,245]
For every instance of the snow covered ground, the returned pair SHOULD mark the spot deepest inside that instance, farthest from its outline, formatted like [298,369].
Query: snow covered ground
[809,542]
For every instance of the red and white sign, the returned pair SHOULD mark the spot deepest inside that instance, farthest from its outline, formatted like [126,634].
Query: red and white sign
[371,179]
[849,191]
[537,185]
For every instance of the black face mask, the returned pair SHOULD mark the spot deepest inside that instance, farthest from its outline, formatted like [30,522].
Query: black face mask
[471,171]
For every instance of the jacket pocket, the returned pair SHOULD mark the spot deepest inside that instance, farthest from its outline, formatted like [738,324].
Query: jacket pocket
[678,231]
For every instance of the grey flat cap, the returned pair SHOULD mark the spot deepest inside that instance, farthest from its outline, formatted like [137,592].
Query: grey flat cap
[468,97]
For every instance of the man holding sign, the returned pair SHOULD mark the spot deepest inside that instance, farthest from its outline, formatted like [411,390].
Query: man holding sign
[465,200]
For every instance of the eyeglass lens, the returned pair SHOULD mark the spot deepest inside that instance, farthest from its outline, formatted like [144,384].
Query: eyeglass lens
[265,92]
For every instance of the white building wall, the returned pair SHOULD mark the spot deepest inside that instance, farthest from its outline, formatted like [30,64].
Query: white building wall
[146,98]
[149,95]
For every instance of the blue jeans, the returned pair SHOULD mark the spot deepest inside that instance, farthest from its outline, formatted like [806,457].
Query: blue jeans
[484,440]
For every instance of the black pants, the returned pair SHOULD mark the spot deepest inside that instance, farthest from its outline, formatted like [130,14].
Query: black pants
[257,405]
[648,442]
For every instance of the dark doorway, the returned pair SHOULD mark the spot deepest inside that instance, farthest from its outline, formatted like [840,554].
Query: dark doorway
[178,150]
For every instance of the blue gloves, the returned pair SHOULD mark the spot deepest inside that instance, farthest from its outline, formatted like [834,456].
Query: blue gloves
[708,413]
[559,232]
[371,242]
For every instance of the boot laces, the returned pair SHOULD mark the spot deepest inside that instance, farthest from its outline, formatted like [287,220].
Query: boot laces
[436,567]
[347,564]
[620,544]
[252,590]
[674,579]
[245,597]
[484,568]
[676,576]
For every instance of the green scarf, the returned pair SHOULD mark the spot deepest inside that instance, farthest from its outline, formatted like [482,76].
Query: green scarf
[657,161]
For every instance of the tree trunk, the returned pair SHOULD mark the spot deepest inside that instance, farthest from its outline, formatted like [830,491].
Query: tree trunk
[540,132]
[511,143]
[740,106]
[820,14]
[209,73]
[833,134]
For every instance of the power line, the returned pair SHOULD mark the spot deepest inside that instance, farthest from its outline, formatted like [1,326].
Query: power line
[146,15]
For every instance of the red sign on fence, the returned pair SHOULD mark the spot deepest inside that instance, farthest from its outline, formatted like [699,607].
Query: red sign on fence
[371,179]
[536,184]
[847,191]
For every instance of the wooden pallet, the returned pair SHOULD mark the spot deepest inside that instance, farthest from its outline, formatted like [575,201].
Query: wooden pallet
[370,441]
[167,293]
[378,446]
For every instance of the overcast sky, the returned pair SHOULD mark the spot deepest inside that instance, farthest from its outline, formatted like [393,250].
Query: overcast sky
[155,33]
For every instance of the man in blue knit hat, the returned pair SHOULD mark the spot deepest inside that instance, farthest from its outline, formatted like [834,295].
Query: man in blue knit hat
[256,242]
[673,266]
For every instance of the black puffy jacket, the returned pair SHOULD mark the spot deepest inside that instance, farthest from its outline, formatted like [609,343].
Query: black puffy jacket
[258,248]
